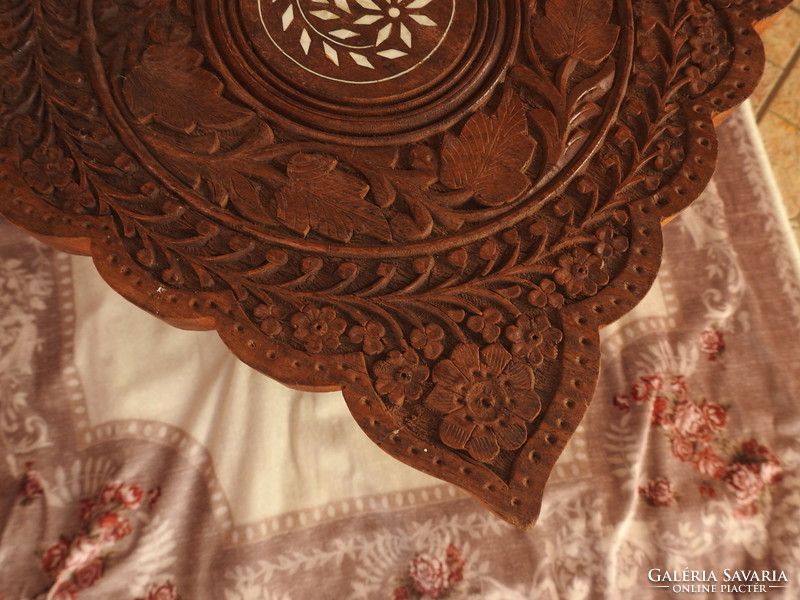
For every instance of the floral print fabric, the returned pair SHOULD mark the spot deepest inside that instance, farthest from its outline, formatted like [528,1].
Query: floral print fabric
[696,432]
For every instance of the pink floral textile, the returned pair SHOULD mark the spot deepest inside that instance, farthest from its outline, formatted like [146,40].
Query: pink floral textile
[124,477]
[697,434]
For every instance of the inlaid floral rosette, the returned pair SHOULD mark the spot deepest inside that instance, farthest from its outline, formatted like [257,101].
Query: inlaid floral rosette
[433,205]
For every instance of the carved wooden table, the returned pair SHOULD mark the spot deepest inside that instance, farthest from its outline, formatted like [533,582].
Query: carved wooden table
[433,205]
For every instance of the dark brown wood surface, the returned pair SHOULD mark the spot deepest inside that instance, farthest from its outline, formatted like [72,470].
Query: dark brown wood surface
[433,205]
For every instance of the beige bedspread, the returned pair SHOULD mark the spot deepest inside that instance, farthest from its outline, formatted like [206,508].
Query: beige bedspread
[140,462]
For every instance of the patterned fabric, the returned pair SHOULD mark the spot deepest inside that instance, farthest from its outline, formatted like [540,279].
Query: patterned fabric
[146,463]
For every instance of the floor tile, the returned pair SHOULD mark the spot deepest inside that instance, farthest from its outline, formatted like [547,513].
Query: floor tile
[771,74]
[782,142]
[782,37]
[786,102]
[778,108]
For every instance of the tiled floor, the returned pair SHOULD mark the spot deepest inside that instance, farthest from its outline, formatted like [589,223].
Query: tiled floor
[777,106]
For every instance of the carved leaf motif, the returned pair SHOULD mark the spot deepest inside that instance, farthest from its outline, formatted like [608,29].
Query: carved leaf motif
[230,178]
[227,178]
[577,28]
[169,87]
[374,161]
[328,200]
[229,186]
[491,154]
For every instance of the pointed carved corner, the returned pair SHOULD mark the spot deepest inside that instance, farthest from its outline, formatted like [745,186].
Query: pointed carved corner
[432,206]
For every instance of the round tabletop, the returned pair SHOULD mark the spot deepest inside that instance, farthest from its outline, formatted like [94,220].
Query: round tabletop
[433,205]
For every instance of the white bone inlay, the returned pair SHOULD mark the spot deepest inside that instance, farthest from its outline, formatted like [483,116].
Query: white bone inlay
[364,30]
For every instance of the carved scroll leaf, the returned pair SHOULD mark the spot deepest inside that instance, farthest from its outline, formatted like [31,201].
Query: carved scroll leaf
[577,28]
[169,87]
[235,177]
[491,154]
[228,185]
[327,200]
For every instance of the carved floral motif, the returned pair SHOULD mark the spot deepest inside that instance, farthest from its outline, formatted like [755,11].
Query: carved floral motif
[487,398]
[318,328]
[401,376]
[534,338]
[270,318]
[581,273]
[370,336]
[430,340]
[48,169]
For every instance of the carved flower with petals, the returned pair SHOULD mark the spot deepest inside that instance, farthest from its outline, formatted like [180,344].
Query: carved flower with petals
[545,294]
[370,336]
[429,340]
[486,324]
[707,42]
[269,316]
[534,338]
[706,51]
[610,242]
[318,328]
[487,399]
[698,80]
[76,198]
[581,273]
[47,169]
[400,376]
[668,155]
[700,14]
